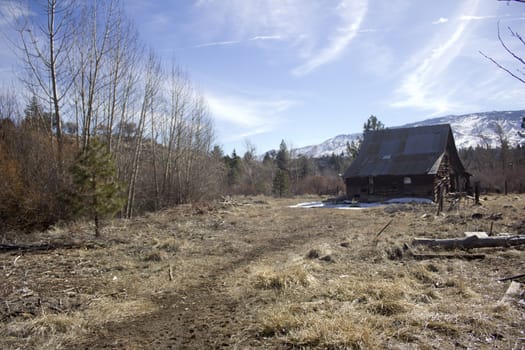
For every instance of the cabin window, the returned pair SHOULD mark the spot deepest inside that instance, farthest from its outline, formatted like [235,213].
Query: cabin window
[407,180]
[370,185]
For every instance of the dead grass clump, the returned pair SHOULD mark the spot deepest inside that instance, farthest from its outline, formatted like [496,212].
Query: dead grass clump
[339,332]
[53,324]
[387,308]
[45,325]
[394,253]
[445,328]
[107,310]
[426,297]
[366,291]
[432,267]
[278,321]
[153,256]
[170,245]
[423,275]
[288,277]
[385,291]
[460,288]
[49,331]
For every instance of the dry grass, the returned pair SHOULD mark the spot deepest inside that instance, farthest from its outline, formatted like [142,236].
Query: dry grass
[282,278]
[256,274]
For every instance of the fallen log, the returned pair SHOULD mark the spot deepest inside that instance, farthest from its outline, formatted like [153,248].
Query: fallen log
[448,256]
[471,242]
[46,246]
[512,277]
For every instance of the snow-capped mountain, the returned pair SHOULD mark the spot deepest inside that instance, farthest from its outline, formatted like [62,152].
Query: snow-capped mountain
[470,130]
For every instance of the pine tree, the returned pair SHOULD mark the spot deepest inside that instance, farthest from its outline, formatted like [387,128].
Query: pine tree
[281,182]
[234,164]
[373,124]
[96,191]
[283,156]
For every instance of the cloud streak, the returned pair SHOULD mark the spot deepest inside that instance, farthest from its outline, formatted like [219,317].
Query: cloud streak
[219,43]
[352,14]
[247,116]
[239,42]
[314,34]
[423,87]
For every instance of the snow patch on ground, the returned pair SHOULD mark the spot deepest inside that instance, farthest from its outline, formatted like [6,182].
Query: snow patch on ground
[357,206]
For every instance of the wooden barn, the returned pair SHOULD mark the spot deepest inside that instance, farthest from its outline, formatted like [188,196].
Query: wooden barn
[406,162]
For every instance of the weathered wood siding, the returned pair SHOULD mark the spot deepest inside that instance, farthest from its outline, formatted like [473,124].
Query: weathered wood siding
[384,187]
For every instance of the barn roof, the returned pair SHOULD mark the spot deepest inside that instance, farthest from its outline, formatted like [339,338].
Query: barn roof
[403,151]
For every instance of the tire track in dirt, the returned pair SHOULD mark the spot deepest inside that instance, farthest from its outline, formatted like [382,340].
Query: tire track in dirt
[202,316]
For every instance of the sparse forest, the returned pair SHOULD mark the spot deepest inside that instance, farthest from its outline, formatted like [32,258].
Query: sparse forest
[90,79]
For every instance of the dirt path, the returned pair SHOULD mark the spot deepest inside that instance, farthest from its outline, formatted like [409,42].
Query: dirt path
[201,316]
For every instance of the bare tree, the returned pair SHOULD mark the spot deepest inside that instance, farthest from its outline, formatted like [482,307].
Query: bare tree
[179,93]
[517,73]
[151,88]
[44,49]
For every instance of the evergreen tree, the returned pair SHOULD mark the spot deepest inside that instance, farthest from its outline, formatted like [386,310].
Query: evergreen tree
[305,167]
[35,116]
[269,157]
[373,124]
[283,156]
[217,152]
[281,182]
[234,164]
[96,191]
[352,148]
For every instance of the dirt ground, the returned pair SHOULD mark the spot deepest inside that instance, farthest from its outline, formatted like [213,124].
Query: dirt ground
[254,273]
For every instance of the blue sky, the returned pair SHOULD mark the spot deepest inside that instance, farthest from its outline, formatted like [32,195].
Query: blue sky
[305,71]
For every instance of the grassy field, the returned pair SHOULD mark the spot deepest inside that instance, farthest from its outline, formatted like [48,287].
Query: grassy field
[254,273]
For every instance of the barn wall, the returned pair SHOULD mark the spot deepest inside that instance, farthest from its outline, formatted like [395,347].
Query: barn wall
[385,187]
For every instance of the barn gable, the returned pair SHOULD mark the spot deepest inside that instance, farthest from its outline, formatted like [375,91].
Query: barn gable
[405,162]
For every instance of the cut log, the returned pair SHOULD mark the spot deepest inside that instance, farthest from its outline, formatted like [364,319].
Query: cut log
[471,242]
[477,234]
[512,294]
[448,256]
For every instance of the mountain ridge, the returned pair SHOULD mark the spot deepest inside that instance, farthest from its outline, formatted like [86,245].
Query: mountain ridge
[470,130]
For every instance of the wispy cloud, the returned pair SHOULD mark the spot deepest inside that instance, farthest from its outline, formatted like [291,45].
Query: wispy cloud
[266,37]
[474,18]
[313,33]
[424,86]
[246,116]
[440,20]
[219,43]
[352,15]
[238,42]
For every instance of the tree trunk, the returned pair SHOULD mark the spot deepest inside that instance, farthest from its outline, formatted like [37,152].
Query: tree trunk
[471,242]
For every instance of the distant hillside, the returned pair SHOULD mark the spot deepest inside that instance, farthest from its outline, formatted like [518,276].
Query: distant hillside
[469,130]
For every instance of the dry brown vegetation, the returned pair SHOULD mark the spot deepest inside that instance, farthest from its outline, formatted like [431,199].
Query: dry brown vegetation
[255,273]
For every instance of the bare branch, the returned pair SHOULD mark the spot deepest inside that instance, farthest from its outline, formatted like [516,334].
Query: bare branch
[503,68]
[506,48]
